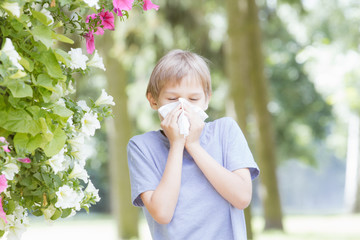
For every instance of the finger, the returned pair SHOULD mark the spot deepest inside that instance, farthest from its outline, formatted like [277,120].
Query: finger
[169,115]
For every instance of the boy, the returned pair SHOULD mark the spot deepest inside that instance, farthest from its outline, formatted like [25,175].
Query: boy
[192,187]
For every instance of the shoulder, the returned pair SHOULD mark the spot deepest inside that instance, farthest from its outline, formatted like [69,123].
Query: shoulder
[219,129]
[224,123]
[148,142]
[144,138]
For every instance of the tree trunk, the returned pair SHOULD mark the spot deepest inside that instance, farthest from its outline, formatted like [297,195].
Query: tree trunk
[352,180]
[237,70]
[119,134]
[265,137]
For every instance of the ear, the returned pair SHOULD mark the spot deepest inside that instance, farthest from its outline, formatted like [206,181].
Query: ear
[152,101]
[206,105]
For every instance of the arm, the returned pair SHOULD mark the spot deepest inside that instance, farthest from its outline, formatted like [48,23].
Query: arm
[236,186]
[161,203]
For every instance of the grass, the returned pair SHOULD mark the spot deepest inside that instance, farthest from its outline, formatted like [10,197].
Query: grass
[297,227]
[312,227]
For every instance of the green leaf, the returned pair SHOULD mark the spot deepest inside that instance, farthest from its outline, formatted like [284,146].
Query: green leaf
[41,17]
[27,64]
[20,142]
[46,94]
[38,176]
[43,34]
[26,181]
[20,89]
[51,63]
[18,74]
[62,111]
[37,213]
[61,38]
[35,142]
[45,81]
[18,120]
[48,135]
[57,181]
[11,206]
[66,212]
[47,179]
[62,56]
[56,215]
[56,144]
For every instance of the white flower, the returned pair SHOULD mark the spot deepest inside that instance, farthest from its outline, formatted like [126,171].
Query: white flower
[92,3]
[68,198]
[77,142]
[47,15]
[90,189]
[70,89]
[61,102]
[83,105]
[96,61]
[58,162]
[104,99]
[71,124]
[13,8]
[79,172]
[79,149]
[13,55]
[58,93]
[3,225]
[49,212]
[10,170]
[78,60]
[36,6]
[89,123]
[15,227]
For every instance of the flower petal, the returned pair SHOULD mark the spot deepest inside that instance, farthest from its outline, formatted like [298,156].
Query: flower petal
[149,5]
[120,5]
[90,42]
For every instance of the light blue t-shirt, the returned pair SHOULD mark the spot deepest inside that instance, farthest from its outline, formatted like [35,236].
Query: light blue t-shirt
[201,212]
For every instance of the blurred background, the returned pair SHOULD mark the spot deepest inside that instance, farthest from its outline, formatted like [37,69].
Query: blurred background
[288,72]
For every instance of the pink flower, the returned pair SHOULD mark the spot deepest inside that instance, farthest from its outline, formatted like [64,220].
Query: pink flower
[24,160]
[120,5]
[90,42]
[149,5]
[3,183]
[107,20]
[99,30]
[2,213]
[92,16]
[4,147]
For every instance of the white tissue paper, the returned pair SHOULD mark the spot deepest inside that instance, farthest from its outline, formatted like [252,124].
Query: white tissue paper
[183,121]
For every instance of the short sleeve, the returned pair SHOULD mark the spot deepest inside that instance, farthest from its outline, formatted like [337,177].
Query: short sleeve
[143,173]
[237,151]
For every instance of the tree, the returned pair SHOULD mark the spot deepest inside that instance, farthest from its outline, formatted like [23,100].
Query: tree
[246,69]
[119,132]
[238,70]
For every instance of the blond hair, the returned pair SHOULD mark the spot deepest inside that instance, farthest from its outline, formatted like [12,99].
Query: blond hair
[177,65]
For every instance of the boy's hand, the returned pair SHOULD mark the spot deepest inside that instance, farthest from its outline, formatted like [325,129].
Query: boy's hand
[196,126]
[171,128]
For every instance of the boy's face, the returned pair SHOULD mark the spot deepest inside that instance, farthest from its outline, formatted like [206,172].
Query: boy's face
[190,90]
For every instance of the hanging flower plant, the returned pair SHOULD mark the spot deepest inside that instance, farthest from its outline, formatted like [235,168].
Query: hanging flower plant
[42,130]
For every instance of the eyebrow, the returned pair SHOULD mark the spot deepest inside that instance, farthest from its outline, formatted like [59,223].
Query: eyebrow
[191,93]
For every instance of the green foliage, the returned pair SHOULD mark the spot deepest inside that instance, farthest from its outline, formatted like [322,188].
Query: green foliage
[301,114]
[42,130]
